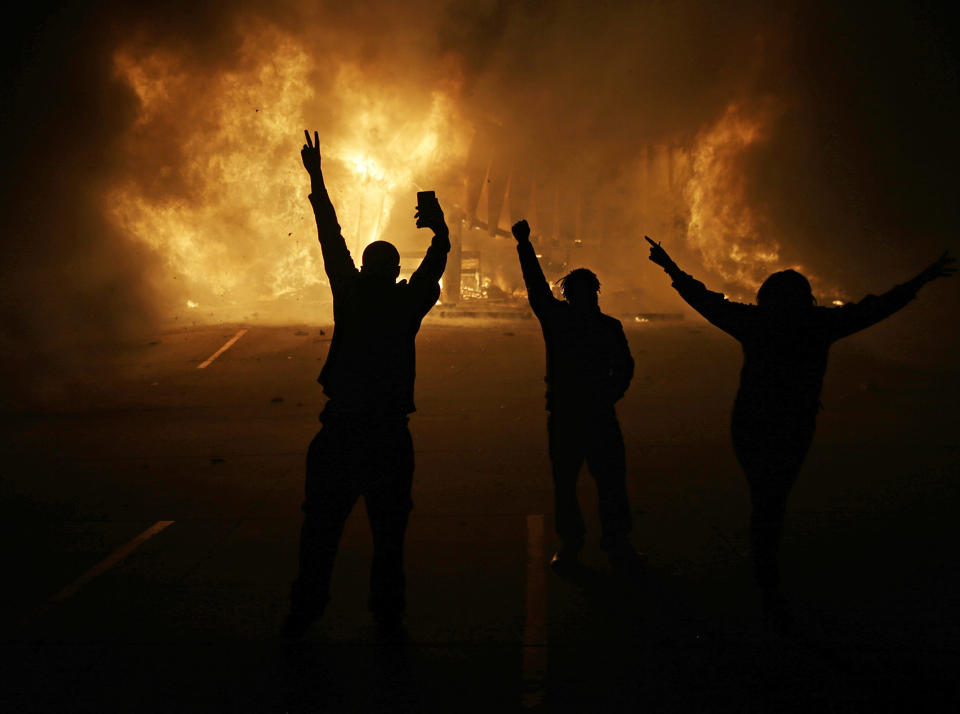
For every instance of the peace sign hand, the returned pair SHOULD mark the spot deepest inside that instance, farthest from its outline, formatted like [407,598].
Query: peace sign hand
[310,154]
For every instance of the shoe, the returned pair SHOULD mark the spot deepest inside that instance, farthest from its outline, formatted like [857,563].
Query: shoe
[296,624]
[390,629]
[626,560]
[565,561]
[778,618]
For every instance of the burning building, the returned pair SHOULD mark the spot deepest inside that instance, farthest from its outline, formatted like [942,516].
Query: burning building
[748,139]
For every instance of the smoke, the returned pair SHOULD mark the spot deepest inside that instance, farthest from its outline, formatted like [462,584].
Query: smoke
[153,172]
[71,281]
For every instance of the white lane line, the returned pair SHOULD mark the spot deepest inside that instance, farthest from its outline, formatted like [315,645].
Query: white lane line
[535,630]
[223,349]
[115,557]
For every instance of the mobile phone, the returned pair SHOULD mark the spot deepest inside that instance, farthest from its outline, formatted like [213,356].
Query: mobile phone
[426,199]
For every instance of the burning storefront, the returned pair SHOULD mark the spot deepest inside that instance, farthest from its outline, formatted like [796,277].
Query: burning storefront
[223,205]
[744,138]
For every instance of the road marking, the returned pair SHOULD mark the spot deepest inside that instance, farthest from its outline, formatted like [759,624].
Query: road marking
[115,557]
[223,349]
[535,630]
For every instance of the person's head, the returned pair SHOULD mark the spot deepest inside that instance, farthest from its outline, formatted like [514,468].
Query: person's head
[381,261]
[785,290]
[580,288]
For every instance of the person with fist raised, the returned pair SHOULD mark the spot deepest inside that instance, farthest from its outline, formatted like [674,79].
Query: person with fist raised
[589,368]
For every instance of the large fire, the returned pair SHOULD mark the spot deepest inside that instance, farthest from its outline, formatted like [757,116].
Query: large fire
[223,200]
[227,209]
[723,226]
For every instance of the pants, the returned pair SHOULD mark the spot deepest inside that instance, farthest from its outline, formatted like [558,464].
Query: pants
[348,459]
[596,439]
[771,449]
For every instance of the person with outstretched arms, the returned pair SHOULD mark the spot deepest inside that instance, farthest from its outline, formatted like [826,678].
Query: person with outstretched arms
[785,339]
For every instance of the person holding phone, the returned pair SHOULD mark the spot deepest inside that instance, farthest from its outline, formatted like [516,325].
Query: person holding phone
[364,447]
[589,368]
[785,339]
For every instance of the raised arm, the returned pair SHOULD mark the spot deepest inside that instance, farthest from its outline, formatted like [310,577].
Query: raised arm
[854,317]
[336,257]
[426,278]
[538,289]
[731,317]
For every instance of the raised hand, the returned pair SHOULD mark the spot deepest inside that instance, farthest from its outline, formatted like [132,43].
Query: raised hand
[942,267]
[521,231]
[659,256]
[431,216]
[310,154]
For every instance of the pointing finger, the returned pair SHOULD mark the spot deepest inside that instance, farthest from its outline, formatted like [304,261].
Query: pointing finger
[307,134]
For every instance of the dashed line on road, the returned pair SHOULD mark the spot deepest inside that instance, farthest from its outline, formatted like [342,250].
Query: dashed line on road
[223,349]
[535,628]
[115,557]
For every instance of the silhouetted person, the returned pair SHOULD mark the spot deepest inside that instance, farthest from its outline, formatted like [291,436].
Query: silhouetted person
[589,368]
[785,338]
[364,448]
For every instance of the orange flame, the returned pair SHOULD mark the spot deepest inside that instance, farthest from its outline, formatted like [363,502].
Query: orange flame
[727,230]
[227,208]
[723,226]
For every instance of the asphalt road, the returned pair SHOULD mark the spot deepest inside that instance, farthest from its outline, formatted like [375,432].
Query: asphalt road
[151,524]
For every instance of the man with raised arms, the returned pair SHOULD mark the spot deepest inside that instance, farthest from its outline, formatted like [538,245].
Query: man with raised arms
[364,448]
